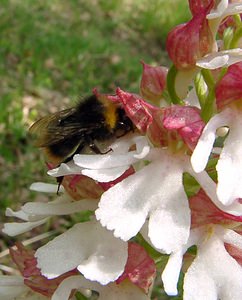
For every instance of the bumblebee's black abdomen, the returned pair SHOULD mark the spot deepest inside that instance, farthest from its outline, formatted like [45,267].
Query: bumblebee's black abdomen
[67,147]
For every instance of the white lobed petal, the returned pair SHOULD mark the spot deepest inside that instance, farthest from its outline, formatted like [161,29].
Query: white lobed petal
[57,209]
[169,222]
[113,159]
[220,9]
[204,146]
[20,214]
[171,273]
[13,229]
[220,59]
[209,186]
[76,282]
[153,191]
[45,187]
[229,166]
[105,175]
[106,167]
[225,9]
[32,211]
[65,169]
[122,291]
[209,276]
[192,98]
[86,246]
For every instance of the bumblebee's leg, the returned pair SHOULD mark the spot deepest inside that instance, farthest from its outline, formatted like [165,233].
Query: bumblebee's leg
[59,181]
[60,178]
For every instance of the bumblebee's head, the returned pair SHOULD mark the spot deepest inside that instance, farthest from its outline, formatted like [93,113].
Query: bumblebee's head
[124,124]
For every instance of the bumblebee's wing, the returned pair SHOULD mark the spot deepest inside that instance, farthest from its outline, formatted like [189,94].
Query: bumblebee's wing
[53,129]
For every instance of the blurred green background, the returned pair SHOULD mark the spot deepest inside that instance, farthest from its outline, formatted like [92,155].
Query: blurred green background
[52,52]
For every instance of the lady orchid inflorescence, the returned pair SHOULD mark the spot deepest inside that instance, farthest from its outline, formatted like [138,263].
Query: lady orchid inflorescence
[165,203]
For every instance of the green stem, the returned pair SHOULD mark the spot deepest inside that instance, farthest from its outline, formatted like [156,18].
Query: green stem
[208,108]
[237,36]
[207,75]
[227,37]
[171,77]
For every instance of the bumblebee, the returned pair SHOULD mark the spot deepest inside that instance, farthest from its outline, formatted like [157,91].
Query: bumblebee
[68,132]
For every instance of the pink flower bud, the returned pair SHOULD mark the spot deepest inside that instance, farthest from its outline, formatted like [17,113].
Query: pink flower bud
[188,42]
[229,88]
[153,82]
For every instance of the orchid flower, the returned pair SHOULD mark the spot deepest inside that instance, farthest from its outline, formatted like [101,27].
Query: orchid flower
[209,274]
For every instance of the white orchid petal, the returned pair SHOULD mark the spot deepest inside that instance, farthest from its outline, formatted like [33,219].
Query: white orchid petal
[214,63]
[224,9]
[118,213]
[229,166]
[76,282]
[220,59]
[53,209]
[125,206]
[17,214]
[114,159]
[172,269]
[220,9]
[65,169]
[171,273]
[204,146]
[209,276]
[234,8]
[169,223]
[88,246]
[198,284]
[142,148]
[45,187]
[105,175]
[209,187]
[104,161]
[166,231]
[192,98]
[124,290]
[13,229]
[23,215]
